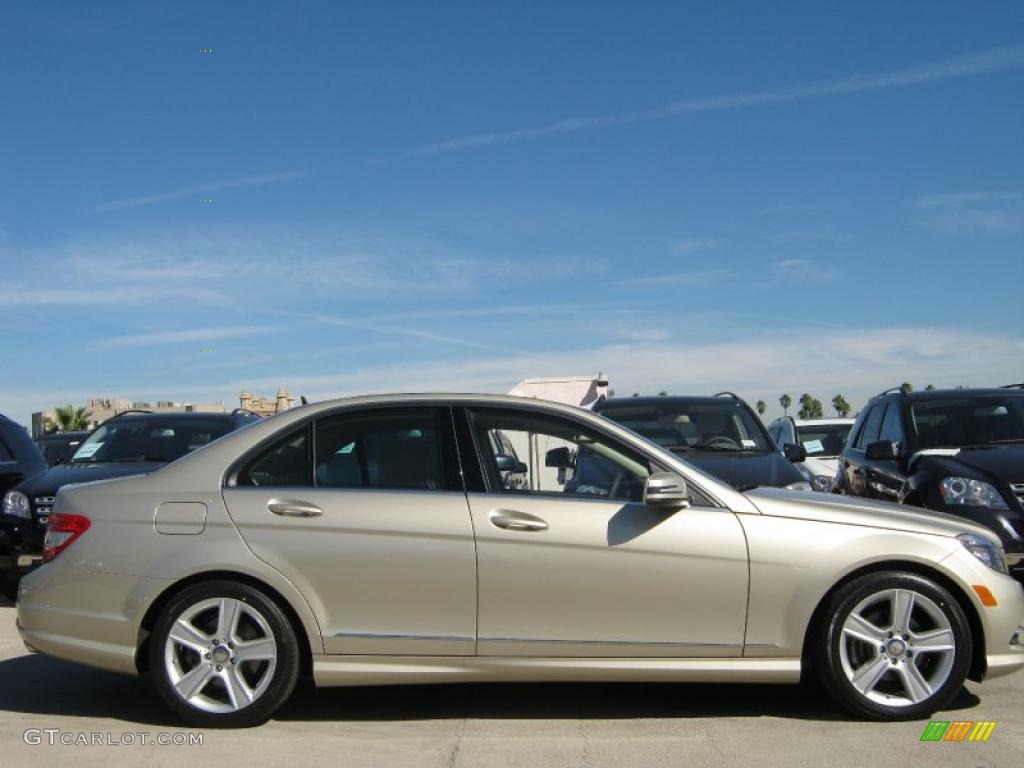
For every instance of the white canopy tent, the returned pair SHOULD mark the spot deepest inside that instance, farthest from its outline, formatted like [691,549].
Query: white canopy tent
[582,391]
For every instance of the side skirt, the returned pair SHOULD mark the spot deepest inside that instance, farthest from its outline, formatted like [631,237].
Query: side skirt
[402,670]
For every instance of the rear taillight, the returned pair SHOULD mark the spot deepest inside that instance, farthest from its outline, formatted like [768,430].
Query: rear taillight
[61,532]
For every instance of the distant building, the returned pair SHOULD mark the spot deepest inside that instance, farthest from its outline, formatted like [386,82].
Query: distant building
[102,408]
[266,406]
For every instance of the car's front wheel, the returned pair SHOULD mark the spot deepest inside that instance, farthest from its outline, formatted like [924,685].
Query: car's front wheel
[223,654]
[893,646]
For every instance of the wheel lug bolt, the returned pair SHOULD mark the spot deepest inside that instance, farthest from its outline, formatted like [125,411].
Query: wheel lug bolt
[218,667]
[207,656]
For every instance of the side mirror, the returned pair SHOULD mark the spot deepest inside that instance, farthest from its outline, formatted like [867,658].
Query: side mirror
[509,464]
[882,450]
[560,458]
[795,453]
[665,491]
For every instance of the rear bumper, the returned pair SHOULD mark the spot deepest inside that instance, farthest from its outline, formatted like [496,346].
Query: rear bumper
[85,616]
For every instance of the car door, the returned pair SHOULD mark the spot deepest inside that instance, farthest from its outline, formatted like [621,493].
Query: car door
[853,464]
[884,477]
[365,512]
[571,563]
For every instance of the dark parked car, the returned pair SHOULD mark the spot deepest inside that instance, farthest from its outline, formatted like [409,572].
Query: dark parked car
[131,443]
[959,451]
[19,459]
[718,434]
[59,447]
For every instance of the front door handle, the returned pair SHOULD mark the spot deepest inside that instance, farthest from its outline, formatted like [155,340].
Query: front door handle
[511,520]
[293,508]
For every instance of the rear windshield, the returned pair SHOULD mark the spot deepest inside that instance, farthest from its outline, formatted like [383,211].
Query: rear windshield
[682,426]
[823,440]
[148,439]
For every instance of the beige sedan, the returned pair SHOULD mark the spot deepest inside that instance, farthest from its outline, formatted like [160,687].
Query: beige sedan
[460,538]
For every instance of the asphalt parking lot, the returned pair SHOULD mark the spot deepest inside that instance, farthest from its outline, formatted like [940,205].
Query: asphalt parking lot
[487,725]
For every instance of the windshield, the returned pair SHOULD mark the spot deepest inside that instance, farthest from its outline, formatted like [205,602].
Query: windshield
[823,440]
[967,420]
[681,426]
[148,439]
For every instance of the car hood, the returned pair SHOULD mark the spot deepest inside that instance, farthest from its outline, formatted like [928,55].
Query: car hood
[1005,462]
[745,469]
[55,478]
[849,510]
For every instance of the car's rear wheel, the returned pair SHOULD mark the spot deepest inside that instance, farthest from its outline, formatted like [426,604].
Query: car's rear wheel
[893,646]
[223,654]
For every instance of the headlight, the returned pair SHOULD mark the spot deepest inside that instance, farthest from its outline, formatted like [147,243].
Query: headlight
[16,504]
[962,491]
[803,485]
[822,483]
[989,553]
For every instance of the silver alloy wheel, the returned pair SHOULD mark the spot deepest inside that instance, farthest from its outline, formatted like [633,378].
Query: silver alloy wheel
[220,655]
[897,647]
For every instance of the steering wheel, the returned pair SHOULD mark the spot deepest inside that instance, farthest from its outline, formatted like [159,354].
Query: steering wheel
[721,441]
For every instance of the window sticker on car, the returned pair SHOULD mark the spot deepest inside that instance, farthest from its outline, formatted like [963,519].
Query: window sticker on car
[813,446]
[748,443]
[88,450]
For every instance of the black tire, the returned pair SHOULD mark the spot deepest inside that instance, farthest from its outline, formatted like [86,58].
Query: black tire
[829,639]
[282,679]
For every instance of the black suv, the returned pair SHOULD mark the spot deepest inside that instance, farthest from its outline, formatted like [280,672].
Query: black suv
[59,447]
[131,443]
[19,459]
[719,434]
[959,451]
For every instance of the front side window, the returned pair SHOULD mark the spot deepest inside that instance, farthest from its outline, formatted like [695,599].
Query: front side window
[869,432]
[398,448]
[529,453]
[892,429]
[969,420]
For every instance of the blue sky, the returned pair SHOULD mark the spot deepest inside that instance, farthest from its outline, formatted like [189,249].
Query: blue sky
[823,197]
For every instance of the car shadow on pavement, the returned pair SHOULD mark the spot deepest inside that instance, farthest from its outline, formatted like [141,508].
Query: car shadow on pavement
[38,685]
[574,701]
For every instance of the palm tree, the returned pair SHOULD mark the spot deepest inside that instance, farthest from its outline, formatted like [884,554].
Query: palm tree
[761,407]
[785,401]
[663,393]
[810,407]
[842,407]
[929,388]
[67,418]
[906,386]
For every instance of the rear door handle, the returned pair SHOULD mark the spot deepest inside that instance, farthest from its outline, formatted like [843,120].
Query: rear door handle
[293,508]
[511,520]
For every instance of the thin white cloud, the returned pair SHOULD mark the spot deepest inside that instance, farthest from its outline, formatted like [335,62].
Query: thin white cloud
[802,207]
[695,244]
[958,199]
[980,63]
[972,213]
[202,336]
[676,279]
[198,190]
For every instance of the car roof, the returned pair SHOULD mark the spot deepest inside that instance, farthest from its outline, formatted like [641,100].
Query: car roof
[943,394]
[825,421]
[657,400]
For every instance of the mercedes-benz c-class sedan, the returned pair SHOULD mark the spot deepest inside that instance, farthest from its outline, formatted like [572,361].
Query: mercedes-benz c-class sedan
[459,538]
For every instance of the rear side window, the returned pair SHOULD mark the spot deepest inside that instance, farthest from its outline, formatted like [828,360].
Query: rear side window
[398,448]
[284,464]
[869,432]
